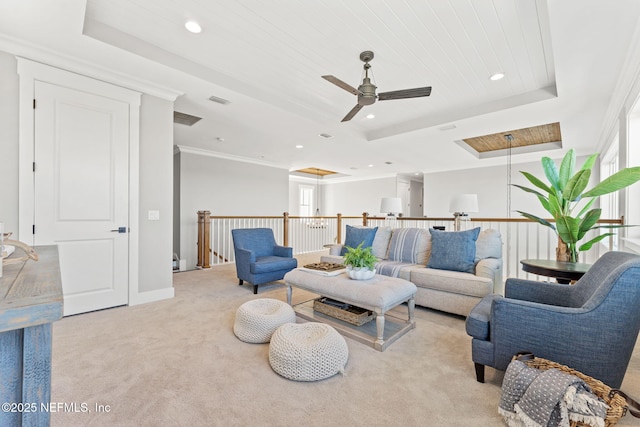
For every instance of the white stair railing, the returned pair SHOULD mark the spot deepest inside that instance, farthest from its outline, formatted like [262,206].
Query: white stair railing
[522,239]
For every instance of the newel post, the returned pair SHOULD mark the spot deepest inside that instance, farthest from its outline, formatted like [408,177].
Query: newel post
[285,237]
[365,217]
[204,239]
[339,235]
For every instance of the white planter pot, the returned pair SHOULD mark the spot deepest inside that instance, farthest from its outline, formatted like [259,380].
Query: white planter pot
[360,273]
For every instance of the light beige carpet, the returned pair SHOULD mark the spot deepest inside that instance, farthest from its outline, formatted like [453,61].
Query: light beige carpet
[178,363]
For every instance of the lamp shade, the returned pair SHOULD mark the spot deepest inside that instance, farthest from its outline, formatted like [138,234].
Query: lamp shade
[464,203]
[391,205]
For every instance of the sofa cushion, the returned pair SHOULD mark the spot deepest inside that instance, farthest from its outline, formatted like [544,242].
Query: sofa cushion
[336,259]
[453,250]
[391,268]
[357,235]
[489,245]
[380,245]
[267,264]
[454,282]
[410,245]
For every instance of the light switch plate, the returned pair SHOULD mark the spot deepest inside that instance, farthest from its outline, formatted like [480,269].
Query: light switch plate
[154,215]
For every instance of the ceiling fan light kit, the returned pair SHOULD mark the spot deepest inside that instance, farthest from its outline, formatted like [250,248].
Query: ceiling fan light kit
[366,92]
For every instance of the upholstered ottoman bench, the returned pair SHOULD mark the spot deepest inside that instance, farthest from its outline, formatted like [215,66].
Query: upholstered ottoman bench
[307,351]
[257,320]
[378,295]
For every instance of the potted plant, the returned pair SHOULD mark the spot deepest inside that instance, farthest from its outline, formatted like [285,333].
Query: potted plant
[360,262]
[565,194]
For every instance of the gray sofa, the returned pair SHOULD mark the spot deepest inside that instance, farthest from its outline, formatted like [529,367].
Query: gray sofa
[406,252]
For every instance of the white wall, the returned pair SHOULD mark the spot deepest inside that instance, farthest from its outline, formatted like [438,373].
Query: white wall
[490,184]
[354,198]
[229,188]
[9,96]
[156,183]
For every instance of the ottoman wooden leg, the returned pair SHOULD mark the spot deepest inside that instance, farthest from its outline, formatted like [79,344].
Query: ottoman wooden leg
[288,293]
[411,304]
[380,328]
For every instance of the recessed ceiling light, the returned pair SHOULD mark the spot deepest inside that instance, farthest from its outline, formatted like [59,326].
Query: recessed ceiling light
[496,76]
[193,27]
[370,166]
[220,139]
[299,146]
[371,116]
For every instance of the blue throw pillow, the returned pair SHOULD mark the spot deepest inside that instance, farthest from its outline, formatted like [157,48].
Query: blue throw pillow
[357,235]
[453,250]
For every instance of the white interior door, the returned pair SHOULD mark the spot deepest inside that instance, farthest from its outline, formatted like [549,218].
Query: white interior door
[81,192]
[403,192]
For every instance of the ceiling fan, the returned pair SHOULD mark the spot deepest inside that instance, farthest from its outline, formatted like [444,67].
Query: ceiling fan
[366,92]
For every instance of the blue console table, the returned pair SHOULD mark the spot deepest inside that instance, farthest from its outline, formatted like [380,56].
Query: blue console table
[30,301]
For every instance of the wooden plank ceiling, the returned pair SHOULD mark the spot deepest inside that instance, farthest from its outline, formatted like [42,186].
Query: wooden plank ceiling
[521,138]
[316,171]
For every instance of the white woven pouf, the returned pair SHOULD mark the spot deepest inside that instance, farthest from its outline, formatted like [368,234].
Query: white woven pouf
[257,320]
[307,351]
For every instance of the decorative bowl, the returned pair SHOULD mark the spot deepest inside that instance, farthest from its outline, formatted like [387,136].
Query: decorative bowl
[360,273]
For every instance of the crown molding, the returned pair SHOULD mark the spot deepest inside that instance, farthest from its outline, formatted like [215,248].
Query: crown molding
[209,153]
[56,59]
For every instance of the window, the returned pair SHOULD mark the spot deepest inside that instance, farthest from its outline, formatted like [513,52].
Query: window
[609,164]
[306,207]
[632,208]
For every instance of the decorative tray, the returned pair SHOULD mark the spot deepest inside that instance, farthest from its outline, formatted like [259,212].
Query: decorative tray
[325,268]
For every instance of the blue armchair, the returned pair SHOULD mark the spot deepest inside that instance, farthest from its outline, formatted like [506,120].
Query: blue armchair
[591,326]
[258,258]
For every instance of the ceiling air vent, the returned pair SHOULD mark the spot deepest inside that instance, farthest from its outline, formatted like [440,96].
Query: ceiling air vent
[218,100]
[185,119]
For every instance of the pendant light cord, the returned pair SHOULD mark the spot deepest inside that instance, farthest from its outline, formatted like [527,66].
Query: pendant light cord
[509,139]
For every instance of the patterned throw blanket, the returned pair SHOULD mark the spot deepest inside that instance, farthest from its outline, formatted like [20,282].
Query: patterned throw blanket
[532,398]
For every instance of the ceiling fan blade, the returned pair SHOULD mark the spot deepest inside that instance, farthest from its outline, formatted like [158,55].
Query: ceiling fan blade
[405,93]
[352,113]
[346,86]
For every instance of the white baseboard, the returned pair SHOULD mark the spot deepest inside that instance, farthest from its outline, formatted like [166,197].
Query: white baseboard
[152,296]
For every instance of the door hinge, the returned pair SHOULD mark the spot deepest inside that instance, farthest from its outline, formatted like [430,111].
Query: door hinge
[34,104]
[34,166]
[33,229]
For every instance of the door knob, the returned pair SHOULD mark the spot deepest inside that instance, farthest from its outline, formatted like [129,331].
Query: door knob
[120,230]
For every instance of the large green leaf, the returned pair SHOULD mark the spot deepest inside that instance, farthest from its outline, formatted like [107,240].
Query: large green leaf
[537,219]
[567,167]
[585,208]
[588,164]
[551,172]
[555,206]
[615,182]
[576,185]
[612,226]
[535,181]
[568,229]
[588,221]
[529,190]
[586,246]
[545,203]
